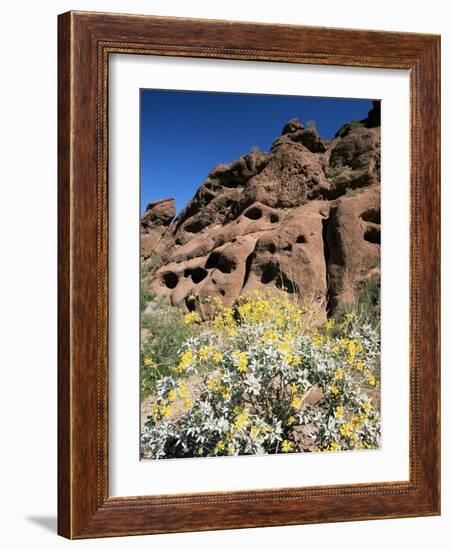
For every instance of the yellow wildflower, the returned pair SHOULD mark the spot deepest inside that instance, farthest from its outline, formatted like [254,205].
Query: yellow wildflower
[317,340]
[217,357]
[339,374]
[296,360]
[213,384]
[285,347]
[296,402]
[231,449]
[183,390]
[192,317]
[242,360]
[188,403]
[204,352]
[219,447]
[172,395]
[225,392]
[185,360]
[241,419]
[334,389]
[254,432]
[286,446]
[346,429]
[356,421]
[370,378]
[291,420]
[351,351]
[339,412]
[166,410]
[148,362]
[334,447]
[270,336]
[359,367]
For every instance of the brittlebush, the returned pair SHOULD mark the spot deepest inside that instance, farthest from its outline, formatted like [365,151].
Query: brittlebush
[245,385]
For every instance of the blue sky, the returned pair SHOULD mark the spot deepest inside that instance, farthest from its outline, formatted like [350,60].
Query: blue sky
[183,135]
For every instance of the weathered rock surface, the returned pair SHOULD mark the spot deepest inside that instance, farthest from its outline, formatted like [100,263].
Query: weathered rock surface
[154,226]
[302,219]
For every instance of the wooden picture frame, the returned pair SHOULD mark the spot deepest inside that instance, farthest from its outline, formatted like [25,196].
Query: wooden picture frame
[86,40]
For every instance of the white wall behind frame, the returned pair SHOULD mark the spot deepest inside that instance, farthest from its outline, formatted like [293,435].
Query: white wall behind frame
[128,476]
[28,276]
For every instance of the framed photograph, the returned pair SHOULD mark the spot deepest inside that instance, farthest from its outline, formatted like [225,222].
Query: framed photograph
[249,271]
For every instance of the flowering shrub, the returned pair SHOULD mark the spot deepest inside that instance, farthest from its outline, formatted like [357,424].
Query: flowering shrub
[260,380]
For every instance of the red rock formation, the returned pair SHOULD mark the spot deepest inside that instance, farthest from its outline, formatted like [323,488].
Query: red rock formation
[303,219]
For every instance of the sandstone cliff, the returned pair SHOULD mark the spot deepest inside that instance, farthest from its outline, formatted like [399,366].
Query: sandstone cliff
[303,218]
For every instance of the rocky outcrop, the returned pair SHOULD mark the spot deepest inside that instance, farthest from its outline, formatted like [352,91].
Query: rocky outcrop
[302,219]
[155,224]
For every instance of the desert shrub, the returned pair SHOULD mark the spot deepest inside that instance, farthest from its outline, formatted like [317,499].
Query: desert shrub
[256,149]
[333,171]
[147,295]
[368,303]
[311,124]
[167,330]
[349,192]
[356,124]
[254,366]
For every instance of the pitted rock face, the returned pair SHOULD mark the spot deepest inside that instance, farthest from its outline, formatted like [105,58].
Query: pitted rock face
[302,219]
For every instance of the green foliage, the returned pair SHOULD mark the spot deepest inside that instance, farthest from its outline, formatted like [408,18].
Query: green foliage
[256,149]
[356,124]
[311,124]
[349,192]
[333,171]
[166,331]
[369,300]
[147,295]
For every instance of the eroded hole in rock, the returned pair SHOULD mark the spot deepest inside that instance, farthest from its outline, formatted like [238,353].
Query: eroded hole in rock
[195,226]
[190,303]
[212,260]
[274,218]
[372,235]
[222,292]
[287,247]
[269,272]
[372,215]
[198,274]
[170,279]
[285,284]
[271,247]
[253,213]
[221,262]
[226,265]
[301,239]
